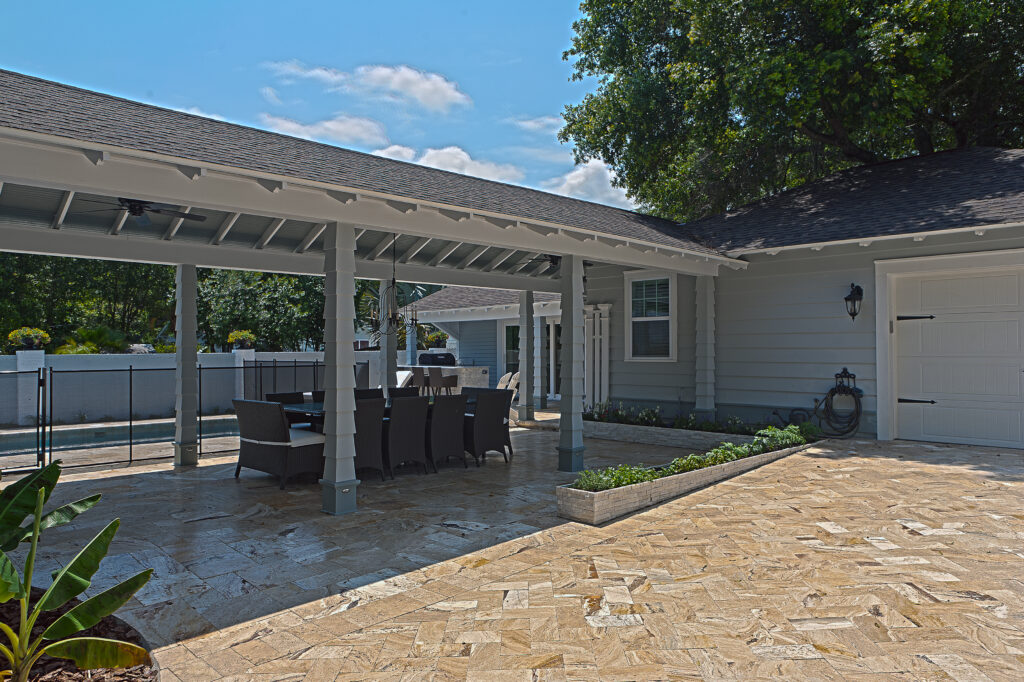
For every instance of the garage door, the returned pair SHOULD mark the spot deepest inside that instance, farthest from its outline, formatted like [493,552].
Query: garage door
[959,357]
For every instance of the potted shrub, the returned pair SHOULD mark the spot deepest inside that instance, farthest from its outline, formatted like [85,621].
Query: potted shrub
[28,338]
[242,339]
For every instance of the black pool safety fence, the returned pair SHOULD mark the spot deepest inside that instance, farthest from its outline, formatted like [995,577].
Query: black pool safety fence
[95,417]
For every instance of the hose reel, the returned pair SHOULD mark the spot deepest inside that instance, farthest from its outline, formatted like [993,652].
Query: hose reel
[839,411]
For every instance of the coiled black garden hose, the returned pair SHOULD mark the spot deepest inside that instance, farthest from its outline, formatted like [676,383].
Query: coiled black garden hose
[839,423]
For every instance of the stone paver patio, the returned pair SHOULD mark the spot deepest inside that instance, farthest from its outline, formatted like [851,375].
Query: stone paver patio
[852,560]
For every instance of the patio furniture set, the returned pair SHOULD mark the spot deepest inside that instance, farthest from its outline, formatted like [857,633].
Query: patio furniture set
[282,435]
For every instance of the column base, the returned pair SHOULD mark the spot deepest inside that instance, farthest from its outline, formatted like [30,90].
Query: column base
[526,413]
[706,415]
[338,497]
[186,455]
[570,459]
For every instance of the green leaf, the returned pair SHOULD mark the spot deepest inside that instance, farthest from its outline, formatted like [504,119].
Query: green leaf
[95,609]
[90,653]
[10,582]
[58,517]
[73,579]
[18,500]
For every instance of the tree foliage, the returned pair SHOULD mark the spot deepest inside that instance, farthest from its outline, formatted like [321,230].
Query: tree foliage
[703,105]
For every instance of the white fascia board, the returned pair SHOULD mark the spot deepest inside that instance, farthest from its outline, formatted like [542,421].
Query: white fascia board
[54,168]
[868,240]
[495,312]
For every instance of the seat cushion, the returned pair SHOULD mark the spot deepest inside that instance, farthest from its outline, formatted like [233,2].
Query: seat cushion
[301,437]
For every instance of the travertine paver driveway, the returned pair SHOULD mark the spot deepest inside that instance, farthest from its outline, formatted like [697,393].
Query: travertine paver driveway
[855,560]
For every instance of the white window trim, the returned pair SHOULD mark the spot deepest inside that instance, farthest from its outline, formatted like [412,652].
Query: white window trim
[629,276]
[502,325]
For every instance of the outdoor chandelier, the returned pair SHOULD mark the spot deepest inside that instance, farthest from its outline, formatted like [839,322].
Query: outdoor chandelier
[386,318]
[853,300]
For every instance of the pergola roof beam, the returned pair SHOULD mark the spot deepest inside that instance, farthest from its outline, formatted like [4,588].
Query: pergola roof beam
[444,253]
[62,210]
[175,225]
[359,233]
[499,259]
[382,246]
[224,228]
[119,220]
[523,262]
[411,252]
[471,257]
[310,237]
[269,233]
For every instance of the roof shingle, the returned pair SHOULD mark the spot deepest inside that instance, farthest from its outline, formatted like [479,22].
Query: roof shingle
[458,298]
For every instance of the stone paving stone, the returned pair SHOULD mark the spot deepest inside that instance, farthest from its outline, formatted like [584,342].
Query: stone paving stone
[851,560]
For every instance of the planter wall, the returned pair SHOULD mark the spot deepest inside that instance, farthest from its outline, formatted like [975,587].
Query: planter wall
[698,441]
[595,508]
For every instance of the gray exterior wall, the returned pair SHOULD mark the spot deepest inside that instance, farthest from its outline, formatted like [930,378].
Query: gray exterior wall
[478,344]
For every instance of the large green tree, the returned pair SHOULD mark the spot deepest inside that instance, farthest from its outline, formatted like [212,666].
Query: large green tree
[702,105]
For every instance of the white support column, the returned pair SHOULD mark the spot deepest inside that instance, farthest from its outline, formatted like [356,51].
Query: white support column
[705,348]
[604,333]
[553,354]
[388,347]
[540,368]
[410,344]
[570,427]
[186,373]
[338,486]
[526,356]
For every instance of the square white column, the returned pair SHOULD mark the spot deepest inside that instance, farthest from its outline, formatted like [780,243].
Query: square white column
[526,356]
[541,362]
[570,426]
[338,486]
[186,372]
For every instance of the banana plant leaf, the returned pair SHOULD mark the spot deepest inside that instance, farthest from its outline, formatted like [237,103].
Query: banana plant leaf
[74,579]
[18,500]
[95,609]
[58,517]
[10,582]
[90,653]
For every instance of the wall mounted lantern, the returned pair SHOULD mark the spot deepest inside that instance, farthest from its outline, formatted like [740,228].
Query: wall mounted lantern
[853,300]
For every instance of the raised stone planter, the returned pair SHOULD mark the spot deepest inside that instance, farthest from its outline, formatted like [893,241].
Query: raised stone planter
[698,441]
[595,508]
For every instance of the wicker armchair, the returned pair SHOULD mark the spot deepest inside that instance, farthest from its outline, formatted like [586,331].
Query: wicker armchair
[369,437]
[268,444]
[485,430]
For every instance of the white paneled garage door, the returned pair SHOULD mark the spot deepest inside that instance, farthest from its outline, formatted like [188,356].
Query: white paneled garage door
[959,357]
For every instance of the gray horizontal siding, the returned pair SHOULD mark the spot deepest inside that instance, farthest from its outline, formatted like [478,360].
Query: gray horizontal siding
[478,345]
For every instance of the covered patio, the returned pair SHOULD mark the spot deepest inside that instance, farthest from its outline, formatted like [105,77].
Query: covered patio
[69,157]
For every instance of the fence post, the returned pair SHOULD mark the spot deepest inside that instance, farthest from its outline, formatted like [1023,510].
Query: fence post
[28,363]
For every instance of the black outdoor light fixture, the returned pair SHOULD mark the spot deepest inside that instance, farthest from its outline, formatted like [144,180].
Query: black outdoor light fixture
[854,299]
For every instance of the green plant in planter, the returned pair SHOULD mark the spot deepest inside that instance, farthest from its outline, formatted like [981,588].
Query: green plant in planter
[72,347]
[242,339]
[28,338]
[22,650]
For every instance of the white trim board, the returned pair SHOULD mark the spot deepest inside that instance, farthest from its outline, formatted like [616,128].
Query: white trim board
[889,271]
[628,277]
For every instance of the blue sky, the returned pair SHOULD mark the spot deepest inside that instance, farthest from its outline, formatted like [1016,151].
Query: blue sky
[471,86]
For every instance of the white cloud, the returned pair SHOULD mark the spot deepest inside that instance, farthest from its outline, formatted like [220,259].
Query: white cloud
[591,181]
[432,91]
[196,111]
[270,94]
[538,124]
[396,151]
[454,159]
[458,160]
[341,128]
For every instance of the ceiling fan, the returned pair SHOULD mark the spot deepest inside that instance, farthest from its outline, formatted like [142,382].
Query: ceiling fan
[140,209]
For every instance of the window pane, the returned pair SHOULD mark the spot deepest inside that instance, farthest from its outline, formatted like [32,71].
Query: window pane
[651,339]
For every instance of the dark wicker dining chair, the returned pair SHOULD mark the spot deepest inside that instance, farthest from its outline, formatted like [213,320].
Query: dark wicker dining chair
[484,430]
[368,393]
[370,435]
[318,396]
[444,430]
[403,391]
[267,444]
[405,433]
[508,394]
[293,398]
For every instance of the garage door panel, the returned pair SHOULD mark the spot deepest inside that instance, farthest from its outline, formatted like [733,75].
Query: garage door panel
[968,358]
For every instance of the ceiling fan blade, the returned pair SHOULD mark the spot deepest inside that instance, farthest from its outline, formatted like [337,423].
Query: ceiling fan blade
[177,214]
[94,201]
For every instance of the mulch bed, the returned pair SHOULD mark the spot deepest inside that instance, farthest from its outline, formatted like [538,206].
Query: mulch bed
[61,670]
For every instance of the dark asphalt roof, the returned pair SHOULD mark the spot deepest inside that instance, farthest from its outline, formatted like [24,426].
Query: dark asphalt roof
[40,106]
[457,298]
[940,191]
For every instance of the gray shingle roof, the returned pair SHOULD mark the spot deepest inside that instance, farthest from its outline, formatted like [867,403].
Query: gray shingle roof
[457,298]
[945,190]
[40,106]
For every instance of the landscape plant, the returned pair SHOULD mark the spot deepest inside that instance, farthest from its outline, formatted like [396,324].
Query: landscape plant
[28,337]
[768,439]
[24,648]
[242,338]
